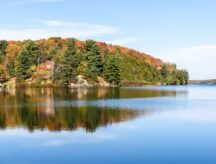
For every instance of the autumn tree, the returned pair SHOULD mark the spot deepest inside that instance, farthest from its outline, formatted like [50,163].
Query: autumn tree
[10,59]
[23,59]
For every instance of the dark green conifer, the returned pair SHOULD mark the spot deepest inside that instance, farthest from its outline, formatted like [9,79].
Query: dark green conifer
[112,70]
[70,63]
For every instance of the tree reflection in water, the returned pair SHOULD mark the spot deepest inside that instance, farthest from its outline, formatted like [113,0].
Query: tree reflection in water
[42,108]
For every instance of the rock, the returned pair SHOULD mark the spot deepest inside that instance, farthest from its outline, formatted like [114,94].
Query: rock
[81,83]
[13,86]
[72,85]
[103,83]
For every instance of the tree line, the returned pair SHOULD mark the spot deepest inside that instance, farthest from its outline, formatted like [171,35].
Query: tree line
[20,60]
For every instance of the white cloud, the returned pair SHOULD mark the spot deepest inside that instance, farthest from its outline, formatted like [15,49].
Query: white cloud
[199,60]
[56,23]
[52,28]
[122,41]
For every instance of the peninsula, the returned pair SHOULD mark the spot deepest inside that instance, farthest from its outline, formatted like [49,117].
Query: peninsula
[73,63]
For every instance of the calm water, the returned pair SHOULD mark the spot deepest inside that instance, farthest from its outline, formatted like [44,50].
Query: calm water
[103,126]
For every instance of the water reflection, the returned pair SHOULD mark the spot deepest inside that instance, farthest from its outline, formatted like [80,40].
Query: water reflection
[37,109]
[170,125]
[60,109]
[63,118]
[91,93]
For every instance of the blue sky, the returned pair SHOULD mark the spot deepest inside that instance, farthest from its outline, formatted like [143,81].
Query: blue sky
[182,32]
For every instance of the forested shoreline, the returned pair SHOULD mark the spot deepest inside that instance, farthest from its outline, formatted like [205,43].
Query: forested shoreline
[70,62]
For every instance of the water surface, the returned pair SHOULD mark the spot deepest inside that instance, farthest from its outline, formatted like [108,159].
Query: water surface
[169,124]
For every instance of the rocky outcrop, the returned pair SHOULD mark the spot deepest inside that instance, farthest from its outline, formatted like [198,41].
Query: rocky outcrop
[103,83]
[83,83]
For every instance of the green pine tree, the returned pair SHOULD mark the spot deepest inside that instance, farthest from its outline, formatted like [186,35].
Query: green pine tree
[3,46]
[70,63]
[24,63]
[164,71]
[182,77]
[11,67]
[3,74]
[92,55]
[112,70]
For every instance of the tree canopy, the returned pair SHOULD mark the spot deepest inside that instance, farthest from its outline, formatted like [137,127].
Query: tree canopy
[22,60]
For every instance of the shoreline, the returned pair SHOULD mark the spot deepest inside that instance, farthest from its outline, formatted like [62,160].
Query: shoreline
[83,87]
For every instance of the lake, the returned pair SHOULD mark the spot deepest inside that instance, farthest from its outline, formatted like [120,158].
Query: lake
[153,125]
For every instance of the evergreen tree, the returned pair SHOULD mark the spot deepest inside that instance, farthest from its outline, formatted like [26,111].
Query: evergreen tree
[88,58]
[112,70]
[164,71]
[182,77]
[70,63]
[186,77]
[34,52]
[24,63]
[11,67]
[3,46]
[92,55]
[3,74]
[82,68]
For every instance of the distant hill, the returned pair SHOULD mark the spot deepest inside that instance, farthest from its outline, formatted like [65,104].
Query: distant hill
[211,81]
[70,62]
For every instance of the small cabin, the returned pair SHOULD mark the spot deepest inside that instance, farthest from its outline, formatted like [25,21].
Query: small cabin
[46,66]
